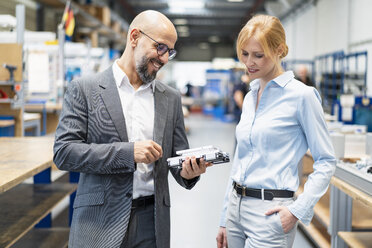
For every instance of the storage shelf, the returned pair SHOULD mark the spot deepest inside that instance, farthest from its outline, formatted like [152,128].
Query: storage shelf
[319,236]
[25,205]
[87,20]
[357,239]
[7,100]
[44,238]
[6,83]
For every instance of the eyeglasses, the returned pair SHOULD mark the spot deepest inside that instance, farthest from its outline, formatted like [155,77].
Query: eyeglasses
[162,48]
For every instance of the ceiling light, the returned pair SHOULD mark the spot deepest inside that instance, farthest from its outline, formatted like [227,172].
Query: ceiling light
[181,7]
[186,4]
[214,39]
[180,21]
[182,29]
[184,34]
[235,1]
[203,45]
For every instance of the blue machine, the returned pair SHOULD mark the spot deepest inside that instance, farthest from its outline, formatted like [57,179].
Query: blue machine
[361,112]
[216,92]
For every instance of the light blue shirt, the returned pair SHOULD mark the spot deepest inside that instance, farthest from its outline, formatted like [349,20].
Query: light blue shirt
[272,140]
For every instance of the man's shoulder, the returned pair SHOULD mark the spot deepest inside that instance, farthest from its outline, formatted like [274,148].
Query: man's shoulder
[94,78]
[167,89]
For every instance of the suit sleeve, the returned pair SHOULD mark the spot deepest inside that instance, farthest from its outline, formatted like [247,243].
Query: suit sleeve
[180,143]
[71,150]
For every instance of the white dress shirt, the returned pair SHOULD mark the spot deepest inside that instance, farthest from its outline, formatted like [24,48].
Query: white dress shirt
[273,139]
[138,108]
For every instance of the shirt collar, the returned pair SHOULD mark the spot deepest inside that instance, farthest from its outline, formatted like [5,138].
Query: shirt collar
[281,80]
[121,78]
[284,78]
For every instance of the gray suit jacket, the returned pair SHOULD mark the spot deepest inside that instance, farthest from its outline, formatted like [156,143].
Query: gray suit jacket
[91,138]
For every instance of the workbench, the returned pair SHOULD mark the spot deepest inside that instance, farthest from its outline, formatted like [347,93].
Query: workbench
[336,211]
[31,121]
[50,115]
[24,206]
[341,215]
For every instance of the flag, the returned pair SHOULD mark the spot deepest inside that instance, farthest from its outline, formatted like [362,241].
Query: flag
[68,20]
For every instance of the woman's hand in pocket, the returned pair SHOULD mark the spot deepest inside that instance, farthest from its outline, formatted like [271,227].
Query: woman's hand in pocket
[287,219]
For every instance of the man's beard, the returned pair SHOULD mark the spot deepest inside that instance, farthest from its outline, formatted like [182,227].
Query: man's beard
[142,70]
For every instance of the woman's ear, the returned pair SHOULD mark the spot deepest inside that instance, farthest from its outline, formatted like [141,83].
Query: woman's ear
[280,51]
[134,36]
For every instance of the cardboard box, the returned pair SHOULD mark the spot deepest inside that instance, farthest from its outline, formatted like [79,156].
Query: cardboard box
[11,54]
[101,13]
[104,15]
[94,38]
[116,26]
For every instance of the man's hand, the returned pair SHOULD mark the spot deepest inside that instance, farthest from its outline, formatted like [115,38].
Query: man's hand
[147,151]
[287,219]
[221,238]
[191,169]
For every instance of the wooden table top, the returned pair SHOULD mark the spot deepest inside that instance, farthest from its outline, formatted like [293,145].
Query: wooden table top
[7,123]
[50,107]
[31,116]
[23,157]
[353,192]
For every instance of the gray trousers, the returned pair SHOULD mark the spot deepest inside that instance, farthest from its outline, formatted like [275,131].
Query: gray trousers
[141,229]
[248,227]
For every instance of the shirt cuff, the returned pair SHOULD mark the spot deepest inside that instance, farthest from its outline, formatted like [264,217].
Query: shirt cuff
[305,215]
[223,222]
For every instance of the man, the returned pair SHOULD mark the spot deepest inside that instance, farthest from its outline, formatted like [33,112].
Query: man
[303,75]
[117,128]
[239,91]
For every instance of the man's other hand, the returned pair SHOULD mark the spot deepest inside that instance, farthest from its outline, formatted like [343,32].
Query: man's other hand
[147,151]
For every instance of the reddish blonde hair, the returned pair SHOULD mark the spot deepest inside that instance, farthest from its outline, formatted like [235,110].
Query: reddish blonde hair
[268,31]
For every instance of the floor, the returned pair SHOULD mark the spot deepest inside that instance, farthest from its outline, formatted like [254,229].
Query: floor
[195,214]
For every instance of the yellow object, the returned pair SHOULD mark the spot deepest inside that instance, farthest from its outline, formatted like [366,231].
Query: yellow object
[69,21]
[51,42]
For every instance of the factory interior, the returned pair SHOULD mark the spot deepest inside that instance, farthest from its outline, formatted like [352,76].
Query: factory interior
[47,45]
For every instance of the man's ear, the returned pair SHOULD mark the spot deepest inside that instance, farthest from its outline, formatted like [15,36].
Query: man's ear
[134,36]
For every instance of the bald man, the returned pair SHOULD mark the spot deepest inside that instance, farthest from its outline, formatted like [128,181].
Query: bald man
[118,128]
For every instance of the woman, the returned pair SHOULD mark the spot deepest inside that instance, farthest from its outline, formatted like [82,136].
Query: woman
[281,119]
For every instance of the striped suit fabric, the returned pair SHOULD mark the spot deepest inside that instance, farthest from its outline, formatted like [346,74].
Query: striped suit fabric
[91,138]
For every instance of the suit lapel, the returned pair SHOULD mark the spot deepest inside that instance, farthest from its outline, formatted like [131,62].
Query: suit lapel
[161,110]
[110,97]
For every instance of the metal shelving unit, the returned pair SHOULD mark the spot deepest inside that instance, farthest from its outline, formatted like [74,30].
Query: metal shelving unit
[329,77]
[14,105]
[87,23]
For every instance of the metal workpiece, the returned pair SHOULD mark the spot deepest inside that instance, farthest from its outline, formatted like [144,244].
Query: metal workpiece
[208,153]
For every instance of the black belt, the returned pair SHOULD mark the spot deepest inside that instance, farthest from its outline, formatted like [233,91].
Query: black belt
[268,194]
[143,201]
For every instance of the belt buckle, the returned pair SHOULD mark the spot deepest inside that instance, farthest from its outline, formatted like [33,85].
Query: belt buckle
[243,191]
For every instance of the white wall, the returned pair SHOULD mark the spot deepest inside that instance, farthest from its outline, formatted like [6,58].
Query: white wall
[194,72]
[329,26]
[301,44]
[361,33]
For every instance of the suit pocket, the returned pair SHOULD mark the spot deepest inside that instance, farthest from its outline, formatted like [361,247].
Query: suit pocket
[89,199]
